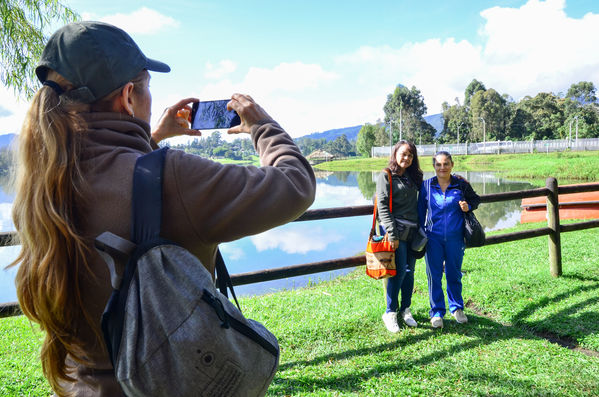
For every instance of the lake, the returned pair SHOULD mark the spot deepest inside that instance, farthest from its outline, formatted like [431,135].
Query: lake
[311,241]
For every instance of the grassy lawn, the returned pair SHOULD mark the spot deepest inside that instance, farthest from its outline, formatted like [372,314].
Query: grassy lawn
[567,166]
[333,341]
[254,161]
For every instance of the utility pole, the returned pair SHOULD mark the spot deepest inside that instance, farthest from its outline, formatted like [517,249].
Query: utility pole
[390,137]
[400,120]
[570,136]
[459,130]
[484,135]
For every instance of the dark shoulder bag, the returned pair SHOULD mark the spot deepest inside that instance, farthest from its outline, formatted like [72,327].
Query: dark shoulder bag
[474,234]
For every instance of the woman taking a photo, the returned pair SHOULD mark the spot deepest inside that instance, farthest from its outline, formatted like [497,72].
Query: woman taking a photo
[442,202]
[400,226]
[86,126]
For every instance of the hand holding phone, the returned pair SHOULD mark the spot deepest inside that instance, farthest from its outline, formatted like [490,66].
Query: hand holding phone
[174,121]
[212,115]
[250,112]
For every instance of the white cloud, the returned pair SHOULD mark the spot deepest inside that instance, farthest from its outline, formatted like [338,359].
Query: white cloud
[328,196]
[141,21]
[13,111]
[538,48]
[519,51]
[288,77]
[440,69]
[296,240]
[218,71]
[6,223]
[231,251]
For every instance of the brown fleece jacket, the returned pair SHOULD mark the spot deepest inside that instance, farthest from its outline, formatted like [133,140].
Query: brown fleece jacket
[204,203]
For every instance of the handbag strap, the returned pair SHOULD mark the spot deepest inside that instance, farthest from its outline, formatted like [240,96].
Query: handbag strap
[390,201]
[147,209]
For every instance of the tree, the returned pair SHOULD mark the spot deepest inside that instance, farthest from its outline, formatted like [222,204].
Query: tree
[492,108]
[456,119]
[381,135]
[340,146]
[546,120]
[425,134]
[584,92]
[22,39]
[308,145]
[472,89]
[408,106]
[520,125]
[365,140]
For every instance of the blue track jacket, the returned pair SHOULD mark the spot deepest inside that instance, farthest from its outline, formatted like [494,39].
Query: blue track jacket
[439,212]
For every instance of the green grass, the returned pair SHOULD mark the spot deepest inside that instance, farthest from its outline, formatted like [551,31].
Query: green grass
[20,368]
[566,166]
[254,161]
[333,341]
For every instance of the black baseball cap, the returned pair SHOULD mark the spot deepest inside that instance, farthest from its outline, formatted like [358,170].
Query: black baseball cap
[96,57]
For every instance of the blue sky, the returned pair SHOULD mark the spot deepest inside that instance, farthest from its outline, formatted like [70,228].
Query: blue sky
[318,65]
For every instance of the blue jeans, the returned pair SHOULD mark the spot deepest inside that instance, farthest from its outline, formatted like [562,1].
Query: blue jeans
[451,253]
[403,281]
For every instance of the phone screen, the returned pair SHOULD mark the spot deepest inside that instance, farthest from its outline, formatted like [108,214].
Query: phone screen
[212,115]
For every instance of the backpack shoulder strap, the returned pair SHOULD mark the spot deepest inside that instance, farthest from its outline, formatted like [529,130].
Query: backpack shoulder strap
[223,280]
[146,202]
[147,209]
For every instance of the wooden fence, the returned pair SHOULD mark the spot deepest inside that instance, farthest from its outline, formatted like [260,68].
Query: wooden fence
[553,231]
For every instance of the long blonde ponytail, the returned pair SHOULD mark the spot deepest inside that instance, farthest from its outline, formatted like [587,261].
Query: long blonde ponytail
[45,215]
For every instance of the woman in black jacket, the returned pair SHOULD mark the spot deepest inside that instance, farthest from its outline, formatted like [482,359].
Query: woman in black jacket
[400,225]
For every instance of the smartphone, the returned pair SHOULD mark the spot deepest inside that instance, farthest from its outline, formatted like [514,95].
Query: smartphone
[213,115]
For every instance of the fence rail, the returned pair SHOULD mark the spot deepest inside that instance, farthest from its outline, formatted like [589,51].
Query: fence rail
[553,230]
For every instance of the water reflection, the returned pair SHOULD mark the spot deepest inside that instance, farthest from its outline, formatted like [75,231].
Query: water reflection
[311,241]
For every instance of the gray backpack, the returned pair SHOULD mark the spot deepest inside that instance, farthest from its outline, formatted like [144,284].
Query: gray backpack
[168,330]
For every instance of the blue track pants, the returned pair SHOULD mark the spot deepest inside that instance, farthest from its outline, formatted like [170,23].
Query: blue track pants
[451,252]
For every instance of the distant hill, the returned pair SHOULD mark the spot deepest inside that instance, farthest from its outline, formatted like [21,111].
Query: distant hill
[6,139]
[436,120]
[351,133]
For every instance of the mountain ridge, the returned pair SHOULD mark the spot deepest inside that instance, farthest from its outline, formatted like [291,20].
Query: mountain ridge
[351,133]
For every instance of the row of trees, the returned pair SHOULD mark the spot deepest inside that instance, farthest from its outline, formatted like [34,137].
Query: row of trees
[214,146]
[487,115]
[340,146]
[242,148]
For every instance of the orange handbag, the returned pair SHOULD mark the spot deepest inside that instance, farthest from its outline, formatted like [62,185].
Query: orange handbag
[380,255]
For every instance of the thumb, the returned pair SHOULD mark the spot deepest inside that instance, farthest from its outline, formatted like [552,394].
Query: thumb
[238,129]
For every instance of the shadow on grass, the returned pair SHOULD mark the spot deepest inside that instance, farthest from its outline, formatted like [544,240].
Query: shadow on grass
[577,325]
[481,330]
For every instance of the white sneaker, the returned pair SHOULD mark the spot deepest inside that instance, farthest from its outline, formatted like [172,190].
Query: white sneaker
[437,322]
[390,320]
[408,319]
[459,316]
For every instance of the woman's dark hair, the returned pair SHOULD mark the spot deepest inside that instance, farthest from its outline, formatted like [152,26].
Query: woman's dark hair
[413,171]
[442,153]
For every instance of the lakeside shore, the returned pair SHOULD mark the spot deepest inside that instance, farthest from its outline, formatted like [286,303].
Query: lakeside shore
[573,167]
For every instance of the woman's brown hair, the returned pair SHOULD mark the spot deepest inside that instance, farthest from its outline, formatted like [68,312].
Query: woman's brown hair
[414,171]
[46,214]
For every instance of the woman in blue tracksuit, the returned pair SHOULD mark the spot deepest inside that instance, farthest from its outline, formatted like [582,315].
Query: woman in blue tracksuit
[442,202]
[406,178]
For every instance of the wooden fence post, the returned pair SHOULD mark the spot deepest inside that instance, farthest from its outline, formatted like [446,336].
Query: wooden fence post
[553,223]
